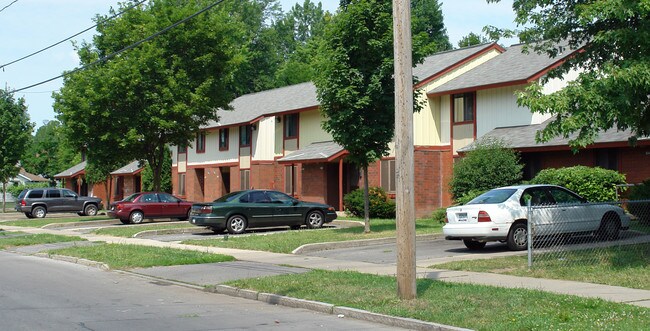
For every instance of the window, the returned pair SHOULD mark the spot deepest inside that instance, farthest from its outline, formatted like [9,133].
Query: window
[53,193]
[245,176]
[288,179]
[200,142]
[182,149]
[388,175]
[223,139]
[463,105]
[164,197]
[35,194]
[255,197]
[150,197]
[181,184]
[245,133]
[607,159]
[278,197]
[291,126]
[69,194]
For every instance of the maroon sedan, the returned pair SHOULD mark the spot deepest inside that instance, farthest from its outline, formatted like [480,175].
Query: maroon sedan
[149,205]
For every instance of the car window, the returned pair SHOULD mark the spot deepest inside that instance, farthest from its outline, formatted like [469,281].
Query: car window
[151,197]
[538,196]
[493,196]
[563,196]
[69,194]
[228,197]
[279,197]
[131,197]
[258,197]
[53,193]
[22,194]
[35,194]
[164,197]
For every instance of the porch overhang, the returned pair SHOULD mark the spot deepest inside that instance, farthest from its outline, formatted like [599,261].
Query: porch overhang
[325,151]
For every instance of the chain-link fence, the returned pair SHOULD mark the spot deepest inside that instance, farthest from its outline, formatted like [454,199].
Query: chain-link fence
[587,233]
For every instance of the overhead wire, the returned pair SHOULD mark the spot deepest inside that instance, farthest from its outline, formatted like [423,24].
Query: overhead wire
[136,44]
[9,5]
[66,39]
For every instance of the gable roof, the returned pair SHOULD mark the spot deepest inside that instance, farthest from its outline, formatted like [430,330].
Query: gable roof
[31,177]
[323,151]
[129,169]
[511,67]
[251,107]
[523,137]
[72,171]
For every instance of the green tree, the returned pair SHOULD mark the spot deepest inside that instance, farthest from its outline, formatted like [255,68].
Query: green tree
[15,131]
[355,83]
[166,176]
[428,28]
[472,39]
[158,93]
[488,165]
[611,90]
[48,152]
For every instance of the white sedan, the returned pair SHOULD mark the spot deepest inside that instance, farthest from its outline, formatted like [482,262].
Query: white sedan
[502,214]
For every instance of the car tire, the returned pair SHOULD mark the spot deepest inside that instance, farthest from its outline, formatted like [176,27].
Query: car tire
[90,210]
[609,227]
[518,237]
[136,217]
[29,215]
[314,219]
[125,221]
[473,245]
[236,224]
[186,217]
[39,212]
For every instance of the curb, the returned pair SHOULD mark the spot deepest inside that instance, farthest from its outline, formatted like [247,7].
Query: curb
[331,309]
[167,231]
[309,248]
[72,259]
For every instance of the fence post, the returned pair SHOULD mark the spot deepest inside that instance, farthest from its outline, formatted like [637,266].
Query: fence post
[529,225]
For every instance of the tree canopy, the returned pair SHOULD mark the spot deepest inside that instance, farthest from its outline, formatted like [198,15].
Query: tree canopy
[472,39]
[612,88]
[48,151]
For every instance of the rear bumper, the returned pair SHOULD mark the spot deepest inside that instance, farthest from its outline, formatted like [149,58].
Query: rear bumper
[487,231]
[210,221]
[330,216]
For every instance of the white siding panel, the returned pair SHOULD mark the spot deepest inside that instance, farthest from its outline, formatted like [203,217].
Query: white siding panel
[310,130]
[212,153]
[445,121]
[264,137]
[498,108]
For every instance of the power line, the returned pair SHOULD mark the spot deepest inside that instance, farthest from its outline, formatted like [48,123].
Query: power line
[66,39]
[136,44]
[9,5]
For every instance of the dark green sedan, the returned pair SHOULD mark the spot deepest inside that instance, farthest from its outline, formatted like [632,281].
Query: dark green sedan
[238,211]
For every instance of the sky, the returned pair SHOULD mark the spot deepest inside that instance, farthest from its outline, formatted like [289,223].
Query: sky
[30,25]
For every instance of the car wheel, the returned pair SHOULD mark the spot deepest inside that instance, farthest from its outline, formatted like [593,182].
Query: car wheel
[473,244]
[186,217]
[236,224]
[136,217]
[90,210]
[29,215]
[125,221]
[609,227]
[314,219]
[518,237]
[39,212]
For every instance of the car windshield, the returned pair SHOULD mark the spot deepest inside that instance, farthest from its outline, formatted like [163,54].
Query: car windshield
[131,197]
[228,197]
[493,196]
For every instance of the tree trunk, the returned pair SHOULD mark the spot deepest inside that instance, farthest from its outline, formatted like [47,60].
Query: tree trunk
[107,189]
[4,197]
[366,201]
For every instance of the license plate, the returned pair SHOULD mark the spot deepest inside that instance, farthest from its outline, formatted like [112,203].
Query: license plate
[461,217]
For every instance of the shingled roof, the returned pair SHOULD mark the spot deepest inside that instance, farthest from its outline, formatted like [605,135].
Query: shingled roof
[439,62]
[129,169]
[323,151]
[71,172]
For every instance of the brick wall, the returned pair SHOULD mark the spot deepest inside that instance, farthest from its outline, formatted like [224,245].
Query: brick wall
[635,164]
[314,189]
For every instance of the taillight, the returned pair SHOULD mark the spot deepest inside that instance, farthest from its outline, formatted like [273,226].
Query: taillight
[23,203]
[484,217]
[119,206]
[446,219]
[205,210]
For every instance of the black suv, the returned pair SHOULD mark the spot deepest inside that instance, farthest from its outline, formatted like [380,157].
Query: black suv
[37,202]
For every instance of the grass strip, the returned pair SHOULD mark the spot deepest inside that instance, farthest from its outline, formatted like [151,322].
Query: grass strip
[463,305]
[10,240]
[130,231]
[37,223]
[118,256]
[627,266]
[286,242]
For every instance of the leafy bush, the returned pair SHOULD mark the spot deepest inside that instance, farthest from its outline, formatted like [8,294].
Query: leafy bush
[640,192]
[439,215]
[640,209]
[490,164]
[15,190]
[594,184]
[380,206]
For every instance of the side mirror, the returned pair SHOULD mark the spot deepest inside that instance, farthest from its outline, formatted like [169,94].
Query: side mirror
[295,202]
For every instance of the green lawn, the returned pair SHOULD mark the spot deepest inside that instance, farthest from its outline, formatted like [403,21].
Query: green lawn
[40,222]
[118,256]
[286,242]
[463,305]
[12,239]
[130,231]
[627,266]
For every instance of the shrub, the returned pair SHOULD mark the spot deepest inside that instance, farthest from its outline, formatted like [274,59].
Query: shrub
[594,184]
[489,165]
[640,209]
[380,206]
[439,215]
[15,190]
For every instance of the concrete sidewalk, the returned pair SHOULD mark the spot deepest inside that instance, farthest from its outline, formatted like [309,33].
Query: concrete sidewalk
[273,261]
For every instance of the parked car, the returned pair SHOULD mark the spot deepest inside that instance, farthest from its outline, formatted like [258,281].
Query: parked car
[501,215]
[38,202]
[238,211]
[149,205]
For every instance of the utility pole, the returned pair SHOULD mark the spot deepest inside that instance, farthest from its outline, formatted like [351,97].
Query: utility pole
[404,165]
